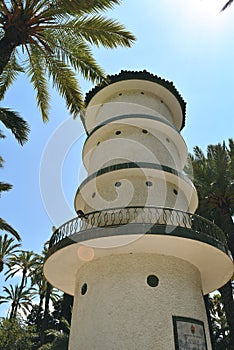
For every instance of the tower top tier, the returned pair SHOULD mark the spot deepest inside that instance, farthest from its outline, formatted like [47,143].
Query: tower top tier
[150,95]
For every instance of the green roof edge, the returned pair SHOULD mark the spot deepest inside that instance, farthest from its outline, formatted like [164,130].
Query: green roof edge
[143,75]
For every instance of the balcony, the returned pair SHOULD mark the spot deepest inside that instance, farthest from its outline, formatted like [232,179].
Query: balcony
[138,221]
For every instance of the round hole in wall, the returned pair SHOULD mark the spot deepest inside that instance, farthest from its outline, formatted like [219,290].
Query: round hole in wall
[149,183]
[161,101]
[118,184]
[120,94]
[175,191]
[152,281]
[84,289]
[145,131]
[98,143]
[118,132]
[93,194]
[142,93]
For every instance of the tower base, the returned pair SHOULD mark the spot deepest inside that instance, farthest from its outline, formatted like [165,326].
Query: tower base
[133,301]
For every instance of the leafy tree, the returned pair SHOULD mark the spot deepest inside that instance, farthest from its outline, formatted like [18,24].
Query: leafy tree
[7,250]
[14,335]
[220,328]
[214,180]
[53,40]
[60,338]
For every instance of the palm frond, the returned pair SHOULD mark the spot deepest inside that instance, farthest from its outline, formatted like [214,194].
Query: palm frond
[4,226]
[4,187]
[76,53]
[17,125]
[77,7]
[99,30]
[226,5]
[37,74]
[64,79]
[9,75]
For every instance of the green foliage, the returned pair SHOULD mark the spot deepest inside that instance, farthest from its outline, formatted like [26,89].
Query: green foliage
[7,249]
[214,180]
[220,328]
[14,335]
[17,125]
[53,39]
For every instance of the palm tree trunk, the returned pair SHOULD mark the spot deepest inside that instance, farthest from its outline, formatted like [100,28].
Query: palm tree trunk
[1,265]
[12,313]
[7,45]
[21,287]
[44,323]
[228,302]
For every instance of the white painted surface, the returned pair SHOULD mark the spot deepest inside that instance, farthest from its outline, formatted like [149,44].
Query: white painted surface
[121,311]
[215,267]
[156,99]
[101,192]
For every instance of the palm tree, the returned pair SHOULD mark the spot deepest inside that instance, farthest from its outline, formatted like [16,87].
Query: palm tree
[7,249]
[24,263]
[19,299]
[46,292]
[53,39]
[214,180]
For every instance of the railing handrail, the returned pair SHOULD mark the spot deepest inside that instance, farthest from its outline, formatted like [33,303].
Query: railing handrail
[138,215]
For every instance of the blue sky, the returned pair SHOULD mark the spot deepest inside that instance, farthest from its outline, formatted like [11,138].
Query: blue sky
[187,42]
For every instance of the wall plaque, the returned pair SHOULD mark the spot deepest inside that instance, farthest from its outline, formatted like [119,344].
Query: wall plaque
[189,334]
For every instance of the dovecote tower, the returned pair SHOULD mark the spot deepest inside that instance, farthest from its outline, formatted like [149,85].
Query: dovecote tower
[136,258]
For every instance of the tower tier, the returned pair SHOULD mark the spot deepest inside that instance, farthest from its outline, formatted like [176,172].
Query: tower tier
[136,258]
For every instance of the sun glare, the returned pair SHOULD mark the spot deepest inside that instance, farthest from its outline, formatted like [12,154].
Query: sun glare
[204,15]
[211,7]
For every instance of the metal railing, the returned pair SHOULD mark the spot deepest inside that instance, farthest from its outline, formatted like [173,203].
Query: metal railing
[138,215]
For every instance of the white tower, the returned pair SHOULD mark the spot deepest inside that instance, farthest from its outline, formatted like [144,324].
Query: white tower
[137,259]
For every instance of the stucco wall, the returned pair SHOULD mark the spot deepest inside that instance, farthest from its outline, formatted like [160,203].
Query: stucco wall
[131,101]
[121,311]
[127,143]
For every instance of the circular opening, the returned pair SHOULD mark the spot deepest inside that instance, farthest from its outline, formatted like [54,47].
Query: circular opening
[145,131]
[175,191]
[167,139]
[142,93]
[93,194]
[118,184]
[149,183]
[152,280]
[161,101]
[120,94]
[98,143]
[118,132]
[84,289]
